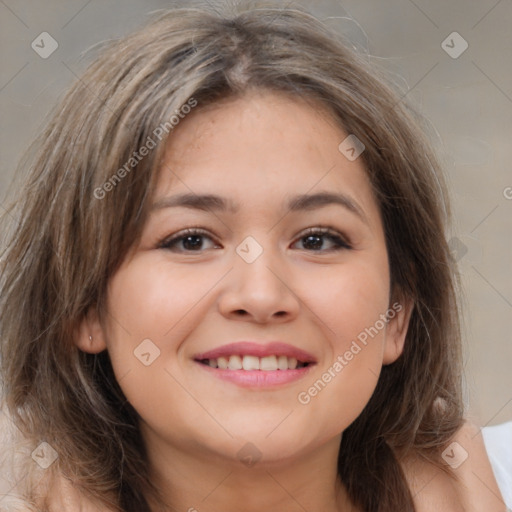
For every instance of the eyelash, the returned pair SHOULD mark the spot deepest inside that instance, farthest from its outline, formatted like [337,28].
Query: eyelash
[340,242]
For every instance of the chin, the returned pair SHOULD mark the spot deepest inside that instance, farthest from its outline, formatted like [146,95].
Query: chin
[275,447]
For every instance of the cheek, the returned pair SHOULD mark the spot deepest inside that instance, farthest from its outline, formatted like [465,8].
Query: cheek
[351,313]
[349,301]
[150,312]
[149,300]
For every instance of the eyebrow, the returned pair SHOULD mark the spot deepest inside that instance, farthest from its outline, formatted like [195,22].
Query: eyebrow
[304,202]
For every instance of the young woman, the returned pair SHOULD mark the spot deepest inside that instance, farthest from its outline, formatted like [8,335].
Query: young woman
[227,285]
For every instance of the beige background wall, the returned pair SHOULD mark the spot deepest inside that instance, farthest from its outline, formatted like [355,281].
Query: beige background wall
[468,99]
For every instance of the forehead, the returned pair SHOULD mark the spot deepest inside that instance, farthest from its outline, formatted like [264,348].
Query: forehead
[258,150]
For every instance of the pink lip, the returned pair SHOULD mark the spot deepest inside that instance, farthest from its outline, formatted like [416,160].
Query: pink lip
[249,348]
[257,378]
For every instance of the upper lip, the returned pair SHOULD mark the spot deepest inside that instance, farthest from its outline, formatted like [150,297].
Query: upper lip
[252,348]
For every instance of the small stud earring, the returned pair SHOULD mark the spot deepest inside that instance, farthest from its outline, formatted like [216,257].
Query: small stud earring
[90,337]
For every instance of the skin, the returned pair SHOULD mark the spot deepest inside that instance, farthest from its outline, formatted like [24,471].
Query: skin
[474,487]
[257,151]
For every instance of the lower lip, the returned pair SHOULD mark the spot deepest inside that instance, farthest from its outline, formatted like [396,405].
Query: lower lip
[258,378]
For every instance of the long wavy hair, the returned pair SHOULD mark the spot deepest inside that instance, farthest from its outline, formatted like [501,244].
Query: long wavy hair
[67,232]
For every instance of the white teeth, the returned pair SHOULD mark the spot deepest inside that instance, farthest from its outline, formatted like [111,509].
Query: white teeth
[251,363]
[267,363]
[235,363]
[222,362]
[282,363]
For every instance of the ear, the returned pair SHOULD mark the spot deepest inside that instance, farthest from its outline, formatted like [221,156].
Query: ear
[399,315]
[89,336]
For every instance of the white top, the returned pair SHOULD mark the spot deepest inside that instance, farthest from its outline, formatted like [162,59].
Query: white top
[498,444]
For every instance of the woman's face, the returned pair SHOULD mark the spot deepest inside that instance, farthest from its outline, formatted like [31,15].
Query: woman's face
[259,286]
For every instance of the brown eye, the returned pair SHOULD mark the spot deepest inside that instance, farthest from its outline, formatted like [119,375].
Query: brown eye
[190,240]
[314,240]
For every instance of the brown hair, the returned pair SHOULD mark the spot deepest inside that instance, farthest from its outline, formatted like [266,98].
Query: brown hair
[72,232]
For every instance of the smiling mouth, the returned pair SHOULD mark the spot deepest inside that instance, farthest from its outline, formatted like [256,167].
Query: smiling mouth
[251,363]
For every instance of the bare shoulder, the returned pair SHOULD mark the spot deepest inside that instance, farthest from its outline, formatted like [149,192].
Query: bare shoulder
[32,488]
[62,496]
[474,487]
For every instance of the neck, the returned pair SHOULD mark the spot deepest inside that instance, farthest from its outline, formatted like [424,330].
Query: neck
[196,482]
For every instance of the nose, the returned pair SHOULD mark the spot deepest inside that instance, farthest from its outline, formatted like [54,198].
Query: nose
[261,291]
